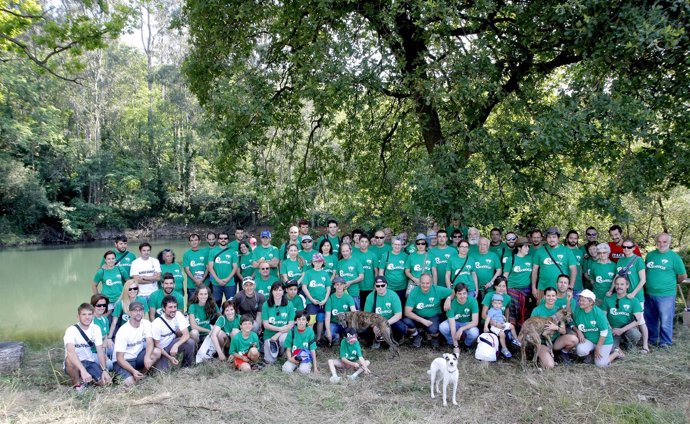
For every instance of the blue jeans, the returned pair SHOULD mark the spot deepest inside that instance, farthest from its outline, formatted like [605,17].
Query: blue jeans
[432,329]
[469,335]
[227,289]
[658,314]
[357,304]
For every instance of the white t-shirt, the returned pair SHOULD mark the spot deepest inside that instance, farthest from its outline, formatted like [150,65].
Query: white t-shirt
[145,268]
[84,352]
[161,331]
[132,340]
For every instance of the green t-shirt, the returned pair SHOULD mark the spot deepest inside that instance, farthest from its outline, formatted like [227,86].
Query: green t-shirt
[487,300]
[223,261]
[227,325]
[633,273]
[178,274]
[592,323]
[240,345]
[200,317]
[602,277]
[550,270]
[662,272]
[427,304]
[235,247]
[439,260]
[264,286]
[579,254]
[501,250]
[282,250]
[330,262]
[317,282]
[562,303]
[418,264]
[462,312]
[245,264]
[111,282]
[299,302]
[300,339]
[351,352]
[485,266]
[369,263]
[123,315]
[307,256]
[350,269]
[520,271]
[196,262]
[123,260]
[156,301]
[461,270]
[621,313]
[292,269]
[544,312]
[386,305]
[267,254]
[276,315]
[337,305]
[394,266]
[380,251]
[103,323]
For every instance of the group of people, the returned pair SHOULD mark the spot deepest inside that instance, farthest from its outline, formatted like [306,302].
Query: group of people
[252,303]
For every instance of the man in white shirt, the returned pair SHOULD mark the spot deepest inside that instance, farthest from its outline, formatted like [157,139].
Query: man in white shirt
[171,336]
[146,271]
[134,350]
[84,356]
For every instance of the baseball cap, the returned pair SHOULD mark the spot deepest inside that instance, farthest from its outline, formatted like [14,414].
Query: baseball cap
[588,294]
[292,283]
[497,296]
[136,305]
[420,236]
[338,279]
[381,279]
[318,257]
[248,280]
[265,233]
[553,230]
[431,234]
[307,237]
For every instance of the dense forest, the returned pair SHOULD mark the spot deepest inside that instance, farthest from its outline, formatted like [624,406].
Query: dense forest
[119,115]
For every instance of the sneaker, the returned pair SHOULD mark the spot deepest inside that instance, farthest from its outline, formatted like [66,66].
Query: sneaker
[516,342]
[80,388]
[335,379]
[274,347]
[434,343]
[506,353]
[353,376]
[565,358]
[376,345]
[417,342]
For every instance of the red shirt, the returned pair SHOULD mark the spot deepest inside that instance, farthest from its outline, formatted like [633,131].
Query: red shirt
[617,251]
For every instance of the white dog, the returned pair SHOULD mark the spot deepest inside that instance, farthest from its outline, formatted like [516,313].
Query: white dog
[445,368]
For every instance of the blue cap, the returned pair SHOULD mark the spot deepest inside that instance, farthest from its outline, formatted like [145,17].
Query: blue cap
[265,233]
[497,296]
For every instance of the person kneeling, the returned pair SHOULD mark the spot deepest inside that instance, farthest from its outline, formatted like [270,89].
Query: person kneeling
[171,336]
[300,345]
[134,349]
[85,360]
[243,347]
[350,357]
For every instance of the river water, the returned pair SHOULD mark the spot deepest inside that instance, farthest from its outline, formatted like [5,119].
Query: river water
[43,286]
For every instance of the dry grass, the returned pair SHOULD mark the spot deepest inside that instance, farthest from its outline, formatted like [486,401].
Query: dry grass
[652,388]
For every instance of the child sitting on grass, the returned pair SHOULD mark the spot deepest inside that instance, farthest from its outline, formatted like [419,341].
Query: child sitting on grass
[350,357]
[300,346]
[243,347]
[496,322]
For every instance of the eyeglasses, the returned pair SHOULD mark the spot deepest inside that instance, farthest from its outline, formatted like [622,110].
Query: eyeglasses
[421,243]
[133,288]
[511,239]
[379,286]
[379,237]
[628,247]
[591,234]
[306,241]
[101,305]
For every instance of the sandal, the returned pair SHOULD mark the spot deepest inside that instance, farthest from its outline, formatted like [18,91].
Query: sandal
[621,355]
[644,351]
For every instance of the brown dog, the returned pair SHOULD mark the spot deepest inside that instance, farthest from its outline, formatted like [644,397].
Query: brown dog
[534,328]
[360,321]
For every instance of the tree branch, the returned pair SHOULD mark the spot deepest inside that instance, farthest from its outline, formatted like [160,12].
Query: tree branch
[21,15]
[41,63]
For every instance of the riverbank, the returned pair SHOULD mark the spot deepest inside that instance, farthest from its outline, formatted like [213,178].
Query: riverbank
[652,388]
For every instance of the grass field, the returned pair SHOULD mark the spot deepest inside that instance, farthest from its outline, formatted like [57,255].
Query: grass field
[653,388]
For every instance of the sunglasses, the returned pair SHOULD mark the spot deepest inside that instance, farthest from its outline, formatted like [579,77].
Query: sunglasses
[378,286]
[133,288]
[457,236]
[421,243]
[379,237]
[101,305]
[628,247]
[592,234]
[306,241]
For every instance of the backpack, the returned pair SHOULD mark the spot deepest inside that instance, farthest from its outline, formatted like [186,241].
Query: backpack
[487,347]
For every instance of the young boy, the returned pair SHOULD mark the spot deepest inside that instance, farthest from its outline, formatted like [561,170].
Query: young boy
[243,346]
[300,346]
[350,357]
[496,322]
[296,300]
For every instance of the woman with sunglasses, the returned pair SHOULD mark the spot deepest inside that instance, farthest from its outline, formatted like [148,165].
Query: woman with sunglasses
[417,263]
[130,294]
[625,316]
[167,259]
[100,307]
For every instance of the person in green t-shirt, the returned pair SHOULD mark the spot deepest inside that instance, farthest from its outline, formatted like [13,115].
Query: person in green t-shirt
[440,255]
[332,235]
[130,293]
[417,263]
[549,262]
[100,307]
[244,262]
[266,252]
[123,257]
[497,245]
[317,289]
[517,268]
[392,266]
[300,346]
[423,310]
[222,266]
[461,270]
[293,267]
[194,263]
[350,269]
[111,278]
[156,299]
[293,238]
[632,267]
[572,240]
[278,317]
[562,341]
[330,259]
[487,265]
[593,331]
[624,315]
[244,346]
[386,303]
[499,287]
[166,257]
[202,311]
[462,319]
[225,328]
[350,357]
[601,273]
[339,302]
[370,263]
